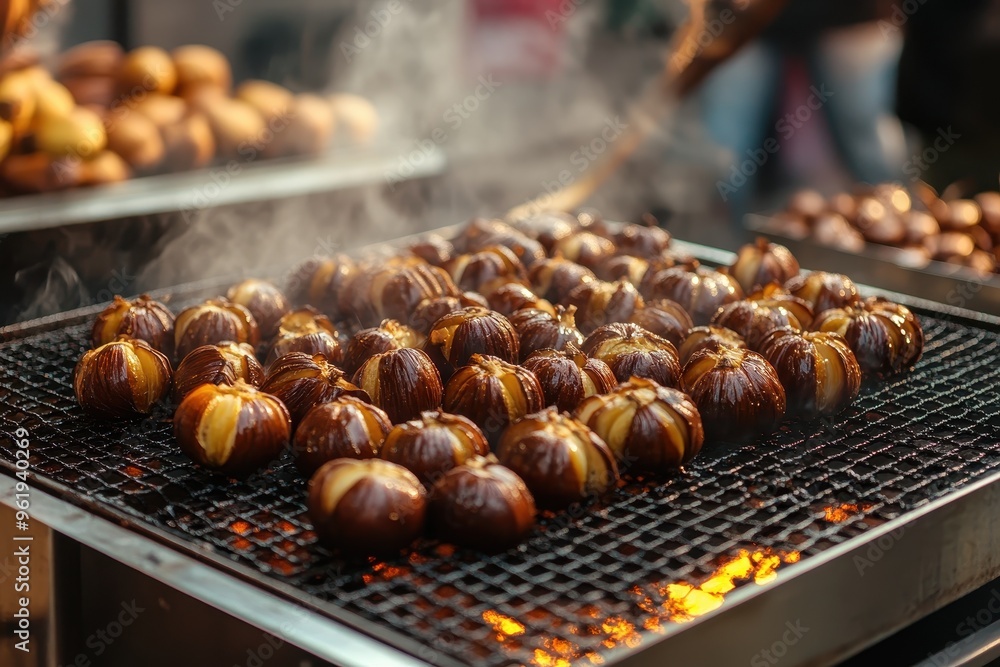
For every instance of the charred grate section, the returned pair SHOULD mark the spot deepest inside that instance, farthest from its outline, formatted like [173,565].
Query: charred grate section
[588,581]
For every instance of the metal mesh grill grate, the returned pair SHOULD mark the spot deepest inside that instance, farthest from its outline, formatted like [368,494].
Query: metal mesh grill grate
[584,583]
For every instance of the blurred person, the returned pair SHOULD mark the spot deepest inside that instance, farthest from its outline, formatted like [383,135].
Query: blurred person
[851,63]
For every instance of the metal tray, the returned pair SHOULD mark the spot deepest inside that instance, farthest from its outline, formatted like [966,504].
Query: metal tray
[813,543]
[887,267]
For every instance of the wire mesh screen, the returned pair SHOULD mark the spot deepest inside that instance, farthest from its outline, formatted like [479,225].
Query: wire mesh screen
[656,553]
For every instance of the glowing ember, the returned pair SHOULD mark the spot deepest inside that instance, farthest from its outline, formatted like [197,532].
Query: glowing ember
[240,527]
[132,471]
[841,513]
[384,571]
[619,631]
[505,626]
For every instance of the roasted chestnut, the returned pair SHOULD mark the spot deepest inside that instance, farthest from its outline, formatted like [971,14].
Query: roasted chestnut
[303,381]
[481,505]
[754,321]
[320,281]
[629,350]
[647,240]
[569,376]
[818,370]
[953,247]
[306,330]
[911,326]
[458,335]
[879,223]
[484,233]
[962,215]
[390,335]
[738,394]
[555,278]
[823,291]
[919,225]
[664,318]
[539,330]
[584,248]
[232,429]
[139,319]
[366,507]
[434,444]
[808,203]
[700,292]
[493,393]
[264,301]
[623,267]
[402,382]
[392,290]
[433,249]
[548,227]
[599,303]
[224,363]
[833,230]
[560,460]
[212,322]
[430,311]
[648,427]
[709,338]
[512,297]
[123,378]
[344,428]
[883,341]
[763,262]
[470,271]
[776,296]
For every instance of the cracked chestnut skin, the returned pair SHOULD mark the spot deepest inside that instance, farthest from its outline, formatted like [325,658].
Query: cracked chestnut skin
[265,302]
[123,378]
[631,351]
[470,271]
[598,303]
[560,460]
[648,427]
[303,381]
[318,281]
[753,321]
[623,267]
[762,262]
[390,335]
[709,338]
[665,318]
[481,505]
[493,393]
[433,444]
[367,507]
[539,330]
[738,394]
[554,278]
[142,318]
[547,227]
[402,382]
[646,241]
[774,295]
[700,292]
[430,311]
[823,291]
[212,322]
[217,364]
[393,289]
[234,429]
[818,370]
[569,376]
[584,248]
[308,331]
[460,334]
[886,338]
[509,298]
[345,428]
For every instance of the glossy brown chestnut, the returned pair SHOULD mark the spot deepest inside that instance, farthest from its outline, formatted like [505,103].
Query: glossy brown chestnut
[319,281]
[481,505]
[265,302]
[303,381]
[648,427]
[139,319]
[833,230]
[548,227]
[623,267]
[560,460]
[953,247]
[512,297]
[776,296]
[584,248]
[470,271]
[493,393]
[390,335]
[569,376]
[631,351]
[494,232]
[818,370]
[217,364]
[402,382]
[962,215]
[306,330]
[555,278]
[700,292]
[392,290]
[753,321]
[646,241]
[919,225]
[344,428]
[232,429]
[881,340]
[664,318]
[213,322]
[879,223]
[458,335]
[434,444]
[738,394]
[366,507]
[823,291]
[911,326]
[709,338]
[599,303]
[763,262]
[539,330]
[433,249]
[430,311]
[123,378]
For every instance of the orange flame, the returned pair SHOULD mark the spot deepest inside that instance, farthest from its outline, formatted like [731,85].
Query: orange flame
[505,626]
[841,513]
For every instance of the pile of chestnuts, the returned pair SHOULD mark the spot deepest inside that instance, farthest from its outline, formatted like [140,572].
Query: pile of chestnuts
[458,387]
